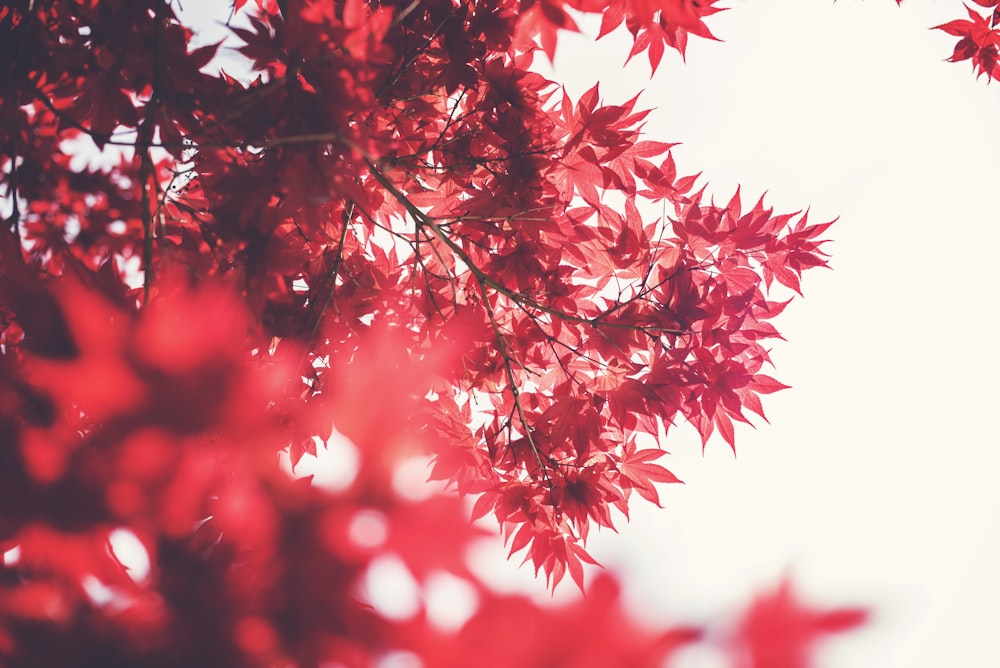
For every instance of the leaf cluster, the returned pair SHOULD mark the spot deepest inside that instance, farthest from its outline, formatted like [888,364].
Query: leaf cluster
[393,226]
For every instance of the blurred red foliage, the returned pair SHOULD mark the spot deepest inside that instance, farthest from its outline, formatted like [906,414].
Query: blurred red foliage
[394,227]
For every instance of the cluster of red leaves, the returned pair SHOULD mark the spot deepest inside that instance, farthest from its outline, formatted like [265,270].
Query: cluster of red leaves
[404,166]
[775,631]
[158,424]
[979,38]
[394,194]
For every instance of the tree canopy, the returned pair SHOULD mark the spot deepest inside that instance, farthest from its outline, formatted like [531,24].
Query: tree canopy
[392,228]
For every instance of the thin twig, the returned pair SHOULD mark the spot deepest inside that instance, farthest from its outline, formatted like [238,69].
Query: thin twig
[481,276]
[334,273]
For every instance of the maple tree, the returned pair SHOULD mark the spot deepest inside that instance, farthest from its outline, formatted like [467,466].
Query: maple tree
[393,227]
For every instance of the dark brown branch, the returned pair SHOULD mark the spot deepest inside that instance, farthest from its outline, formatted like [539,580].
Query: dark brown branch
[334,274]
[147,170]
[481,276]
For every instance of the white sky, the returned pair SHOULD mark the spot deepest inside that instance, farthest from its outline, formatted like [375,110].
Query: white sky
[876,481]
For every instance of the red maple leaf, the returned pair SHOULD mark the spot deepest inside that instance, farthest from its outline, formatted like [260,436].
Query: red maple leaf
[980,41]
[778,631]
[639,472]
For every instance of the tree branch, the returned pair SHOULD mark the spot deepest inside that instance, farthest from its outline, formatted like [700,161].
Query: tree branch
[481,276]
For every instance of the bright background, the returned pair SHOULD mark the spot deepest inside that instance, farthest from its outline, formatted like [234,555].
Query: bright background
[875,482]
